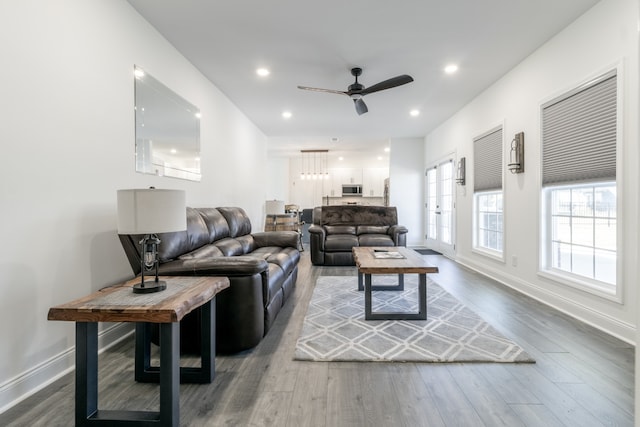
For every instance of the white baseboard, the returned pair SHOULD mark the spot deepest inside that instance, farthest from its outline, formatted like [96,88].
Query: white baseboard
[35,379]
[599,320]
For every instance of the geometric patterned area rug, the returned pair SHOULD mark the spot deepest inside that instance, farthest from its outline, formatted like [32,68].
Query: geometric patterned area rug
[334,328]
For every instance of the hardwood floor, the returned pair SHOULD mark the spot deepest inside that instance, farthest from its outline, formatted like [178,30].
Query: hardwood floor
[582,377]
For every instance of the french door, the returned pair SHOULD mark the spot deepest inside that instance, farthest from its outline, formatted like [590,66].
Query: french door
[440,205]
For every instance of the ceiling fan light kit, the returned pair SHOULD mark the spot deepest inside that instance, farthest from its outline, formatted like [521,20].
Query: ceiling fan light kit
[356,90]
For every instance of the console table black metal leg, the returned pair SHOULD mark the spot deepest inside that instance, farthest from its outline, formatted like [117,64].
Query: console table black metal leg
[87,412]
[144,372]
[170,374]
[86,371]
[207,371]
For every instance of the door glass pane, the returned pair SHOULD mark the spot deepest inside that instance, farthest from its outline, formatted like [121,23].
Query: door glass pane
[446,202]
[431,204]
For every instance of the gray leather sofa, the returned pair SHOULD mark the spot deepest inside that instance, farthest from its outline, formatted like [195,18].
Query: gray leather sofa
[262,268]
[337,229]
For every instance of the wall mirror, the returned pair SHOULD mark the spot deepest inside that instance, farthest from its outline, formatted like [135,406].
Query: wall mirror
[167,130]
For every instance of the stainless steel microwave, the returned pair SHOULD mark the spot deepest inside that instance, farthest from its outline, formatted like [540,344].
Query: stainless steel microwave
[351,190]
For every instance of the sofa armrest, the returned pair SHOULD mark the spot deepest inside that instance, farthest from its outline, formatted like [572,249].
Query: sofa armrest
[218,266]
[399,234]
[281,239]
[319,230]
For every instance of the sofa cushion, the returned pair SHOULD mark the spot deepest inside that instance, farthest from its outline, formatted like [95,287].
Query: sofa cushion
[239,222]
[285,258]
[207,251]
[172,245]
[375,240]
[372,229]
[340,242]
[276,279]
[229,247]
[340,229]
[247,243]
[216,223]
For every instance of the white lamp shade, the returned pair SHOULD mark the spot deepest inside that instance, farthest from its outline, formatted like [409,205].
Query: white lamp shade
[150,211]
[274,207]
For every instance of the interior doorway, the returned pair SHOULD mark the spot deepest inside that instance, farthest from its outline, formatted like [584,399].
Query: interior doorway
[440,206]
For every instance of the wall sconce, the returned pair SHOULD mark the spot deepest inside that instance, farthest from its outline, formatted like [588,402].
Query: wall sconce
[460,172]
[516,155]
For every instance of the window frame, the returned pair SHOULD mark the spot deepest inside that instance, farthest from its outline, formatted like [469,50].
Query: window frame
[570,278]
[594,287]
[475,247]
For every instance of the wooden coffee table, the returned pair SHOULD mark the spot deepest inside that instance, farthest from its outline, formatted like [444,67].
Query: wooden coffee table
[120,304]
[409,262]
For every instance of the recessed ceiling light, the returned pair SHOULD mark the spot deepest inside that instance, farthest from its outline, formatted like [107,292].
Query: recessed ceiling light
[387,149]
[138,73]
[262,72]
[379,157]
[341,158]
[286,114]
[451,68]
[414,113]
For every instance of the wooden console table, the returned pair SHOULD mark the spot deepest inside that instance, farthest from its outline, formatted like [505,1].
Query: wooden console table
[119,304]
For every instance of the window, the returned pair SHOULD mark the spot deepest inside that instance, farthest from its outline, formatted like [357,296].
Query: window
[583,231]
[487,187]
[579,134]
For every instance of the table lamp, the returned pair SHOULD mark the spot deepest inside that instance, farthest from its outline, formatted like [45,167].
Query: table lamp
[149,211]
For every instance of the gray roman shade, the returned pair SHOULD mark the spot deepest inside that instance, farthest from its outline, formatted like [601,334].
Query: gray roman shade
[487,161]
[579,134]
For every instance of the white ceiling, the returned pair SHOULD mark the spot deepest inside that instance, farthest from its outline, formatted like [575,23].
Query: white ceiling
[317,43]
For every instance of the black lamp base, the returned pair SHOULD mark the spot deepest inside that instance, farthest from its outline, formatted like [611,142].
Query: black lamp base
[149,287]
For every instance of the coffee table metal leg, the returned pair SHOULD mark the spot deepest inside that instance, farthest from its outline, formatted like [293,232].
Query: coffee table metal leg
[398,287]
[367,297]
[422,296]
[422,301]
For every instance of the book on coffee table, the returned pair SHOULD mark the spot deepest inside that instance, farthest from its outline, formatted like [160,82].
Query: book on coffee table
[380,254]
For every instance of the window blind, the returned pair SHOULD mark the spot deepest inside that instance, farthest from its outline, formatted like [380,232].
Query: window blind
[487,162]
[579,132]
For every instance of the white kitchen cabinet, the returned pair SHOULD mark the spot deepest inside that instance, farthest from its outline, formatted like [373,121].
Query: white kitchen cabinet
[340,176]
[373,181]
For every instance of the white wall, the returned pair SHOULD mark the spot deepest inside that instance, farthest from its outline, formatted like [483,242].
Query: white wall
[407,186]
[67,135]
[278,178]
[603,37]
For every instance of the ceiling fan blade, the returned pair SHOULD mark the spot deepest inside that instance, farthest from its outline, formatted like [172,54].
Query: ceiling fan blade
[315,89]
[361,107]
[388,84]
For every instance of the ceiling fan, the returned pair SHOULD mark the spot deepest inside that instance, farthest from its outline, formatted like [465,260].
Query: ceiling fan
[356,91]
